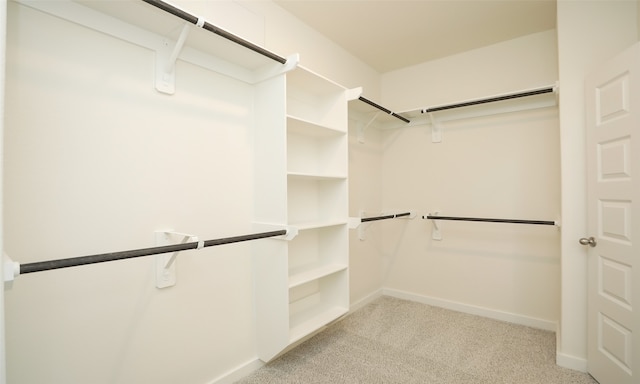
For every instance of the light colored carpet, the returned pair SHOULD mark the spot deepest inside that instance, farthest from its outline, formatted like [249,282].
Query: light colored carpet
[398,341]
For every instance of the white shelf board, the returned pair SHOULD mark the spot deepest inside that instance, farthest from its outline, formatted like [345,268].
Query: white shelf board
[309,326]
[314,176]
[315,83]
[314,274]
[302,226]
[304,126]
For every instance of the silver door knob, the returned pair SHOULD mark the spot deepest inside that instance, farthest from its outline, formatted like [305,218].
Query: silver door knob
[588,241]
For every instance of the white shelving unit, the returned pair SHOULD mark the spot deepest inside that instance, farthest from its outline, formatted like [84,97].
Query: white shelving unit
[317,193]
[314,167]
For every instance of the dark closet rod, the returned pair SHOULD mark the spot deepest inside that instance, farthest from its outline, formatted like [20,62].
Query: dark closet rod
[365,219]
[212,28]
[104,257]
[380,107]
[513,221]
[490,100]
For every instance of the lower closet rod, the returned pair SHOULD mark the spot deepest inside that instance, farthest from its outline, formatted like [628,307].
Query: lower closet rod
[104,257]
[513,221]
[365,219]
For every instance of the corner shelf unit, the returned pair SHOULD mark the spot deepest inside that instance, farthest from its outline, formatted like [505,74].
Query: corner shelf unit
[312,173]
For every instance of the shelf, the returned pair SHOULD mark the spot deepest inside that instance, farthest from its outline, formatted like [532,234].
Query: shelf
[316,100]
[312,149]
[311,225]
[315,176]
[306,276]
[301,126]
[318,302]
[307,327]
[312,199]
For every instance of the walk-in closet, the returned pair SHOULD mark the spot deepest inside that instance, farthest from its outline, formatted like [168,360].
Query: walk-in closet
[193,189]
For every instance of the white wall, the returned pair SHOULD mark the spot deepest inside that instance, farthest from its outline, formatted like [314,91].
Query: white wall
[365,196]
[589,32]
[516,64]
[95,161]
[505,165]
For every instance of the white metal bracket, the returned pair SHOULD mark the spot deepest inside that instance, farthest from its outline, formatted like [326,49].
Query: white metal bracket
[166,57]
[10,269]
[354,93]
[292,232]
[165,263]
[354,222]
[558,223]
[276,69]
[363,127]
[436,129]
[435,230]
[362,228]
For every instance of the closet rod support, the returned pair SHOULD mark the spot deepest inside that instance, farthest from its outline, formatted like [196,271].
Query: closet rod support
[166,62]
[11,268]
[213,29]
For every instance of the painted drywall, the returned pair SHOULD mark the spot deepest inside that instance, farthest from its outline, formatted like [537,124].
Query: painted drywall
[504,165]
[522,63]
[95,161]
[588,34]
[365,198]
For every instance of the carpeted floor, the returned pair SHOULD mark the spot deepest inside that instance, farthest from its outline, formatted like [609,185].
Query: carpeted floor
[398,341]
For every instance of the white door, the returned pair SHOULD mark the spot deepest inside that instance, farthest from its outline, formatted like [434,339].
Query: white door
[613,155]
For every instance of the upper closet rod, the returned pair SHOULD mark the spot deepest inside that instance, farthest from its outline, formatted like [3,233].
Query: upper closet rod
[380,107]
[491,99]
[513,221]
[365,219]
[104,257]
[212,28]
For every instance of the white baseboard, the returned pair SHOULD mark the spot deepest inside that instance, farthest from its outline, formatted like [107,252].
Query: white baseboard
[571,362]
[474,310]
[365,300]
[239,373]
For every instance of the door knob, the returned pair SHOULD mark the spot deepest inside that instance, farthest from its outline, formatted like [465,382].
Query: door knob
[588,241]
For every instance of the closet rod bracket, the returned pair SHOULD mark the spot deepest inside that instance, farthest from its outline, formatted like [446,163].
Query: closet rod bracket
[363,127]
[435,229]
[291,231]
[165,263]
[166,57]
[11,269]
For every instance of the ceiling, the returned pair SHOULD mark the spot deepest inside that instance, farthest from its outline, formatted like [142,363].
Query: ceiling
[389,35]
